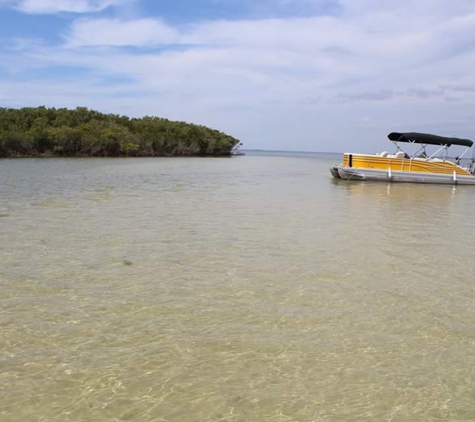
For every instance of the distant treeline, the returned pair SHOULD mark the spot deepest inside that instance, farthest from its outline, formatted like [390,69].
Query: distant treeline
[45,131]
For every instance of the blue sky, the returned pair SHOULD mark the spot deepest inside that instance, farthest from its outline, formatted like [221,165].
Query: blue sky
[314,75]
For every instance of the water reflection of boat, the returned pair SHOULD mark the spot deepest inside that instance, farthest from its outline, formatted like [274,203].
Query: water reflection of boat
[420,167]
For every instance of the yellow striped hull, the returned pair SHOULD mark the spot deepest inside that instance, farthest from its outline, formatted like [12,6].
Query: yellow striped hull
[419,165]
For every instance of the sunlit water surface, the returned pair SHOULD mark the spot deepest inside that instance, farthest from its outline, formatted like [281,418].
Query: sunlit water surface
[255,288]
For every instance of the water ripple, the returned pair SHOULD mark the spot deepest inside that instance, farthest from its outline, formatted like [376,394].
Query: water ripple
[249,289]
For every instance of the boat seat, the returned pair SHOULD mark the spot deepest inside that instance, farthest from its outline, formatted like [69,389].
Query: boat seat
[384,154]
[400,154]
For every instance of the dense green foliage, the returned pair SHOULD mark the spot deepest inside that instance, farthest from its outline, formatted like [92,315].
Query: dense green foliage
[83,132]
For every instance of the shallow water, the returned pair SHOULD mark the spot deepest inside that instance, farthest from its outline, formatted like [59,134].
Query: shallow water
[255,288]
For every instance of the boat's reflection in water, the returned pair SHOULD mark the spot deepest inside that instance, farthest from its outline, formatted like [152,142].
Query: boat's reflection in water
[406,204]
[406,191]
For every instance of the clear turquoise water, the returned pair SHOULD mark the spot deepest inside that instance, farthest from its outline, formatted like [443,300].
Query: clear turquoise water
[255,288]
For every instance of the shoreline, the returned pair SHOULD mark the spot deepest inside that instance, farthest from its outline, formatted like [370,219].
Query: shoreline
[21,157]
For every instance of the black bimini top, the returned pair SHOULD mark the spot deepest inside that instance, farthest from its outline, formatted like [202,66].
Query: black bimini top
[424,138]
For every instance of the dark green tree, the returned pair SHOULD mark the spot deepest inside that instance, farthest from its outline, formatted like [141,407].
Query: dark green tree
[83,132]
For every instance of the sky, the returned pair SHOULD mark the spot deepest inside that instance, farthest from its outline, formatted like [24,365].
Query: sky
[301,75]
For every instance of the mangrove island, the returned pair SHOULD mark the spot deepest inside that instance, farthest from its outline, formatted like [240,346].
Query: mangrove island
[41,131]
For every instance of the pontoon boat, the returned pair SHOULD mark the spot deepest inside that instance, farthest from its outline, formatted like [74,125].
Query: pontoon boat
[418,167]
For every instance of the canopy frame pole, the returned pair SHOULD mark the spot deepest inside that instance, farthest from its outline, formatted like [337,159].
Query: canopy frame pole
[398,148]
[463,153]
[421,149]
[444,147]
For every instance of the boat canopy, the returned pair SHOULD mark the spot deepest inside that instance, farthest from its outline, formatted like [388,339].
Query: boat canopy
[424,138]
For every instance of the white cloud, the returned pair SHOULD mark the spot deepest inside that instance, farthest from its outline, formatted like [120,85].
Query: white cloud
[56,6]
[322,51]
[116,32]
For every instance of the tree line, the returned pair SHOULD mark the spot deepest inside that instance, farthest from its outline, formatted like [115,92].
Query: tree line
[42,131]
